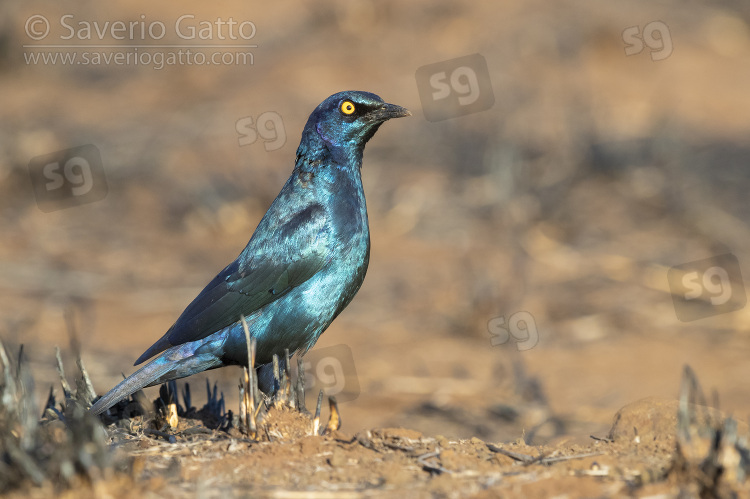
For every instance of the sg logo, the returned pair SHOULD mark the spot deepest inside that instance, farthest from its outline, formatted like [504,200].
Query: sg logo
[66,178]
[455,88]
[707,287]
[332,370]
[269,126]
[661,46]
[463,81]
[521,327]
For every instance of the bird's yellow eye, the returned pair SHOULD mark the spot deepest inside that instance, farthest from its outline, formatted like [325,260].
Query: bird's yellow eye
[347,107]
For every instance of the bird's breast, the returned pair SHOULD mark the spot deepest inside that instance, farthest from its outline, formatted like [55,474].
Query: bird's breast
[350,251]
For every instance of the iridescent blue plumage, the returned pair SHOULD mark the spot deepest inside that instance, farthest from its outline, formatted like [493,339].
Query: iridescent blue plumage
[303,265]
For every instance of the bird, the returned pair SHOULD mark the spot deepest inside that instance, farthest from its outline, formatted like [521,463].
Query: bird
[304,263]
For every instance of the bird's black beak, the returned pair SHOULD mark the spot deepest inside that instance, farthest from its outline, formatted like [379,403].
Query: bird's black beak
[388,111]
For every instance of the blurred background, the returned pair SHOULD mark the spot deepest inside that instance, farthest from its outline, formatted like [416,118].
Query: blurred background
[524,221]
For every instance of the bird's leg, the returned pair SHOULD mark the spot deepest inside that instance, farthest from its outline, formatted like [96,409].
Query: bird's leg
[277,395]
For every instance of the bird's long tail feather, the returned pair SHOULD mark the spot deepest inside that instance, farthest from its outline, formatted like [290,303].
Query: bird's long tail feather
[176,362]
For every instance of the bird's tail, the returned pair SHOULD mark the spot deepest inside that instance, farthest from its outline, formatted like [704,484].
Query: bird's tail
[174,363]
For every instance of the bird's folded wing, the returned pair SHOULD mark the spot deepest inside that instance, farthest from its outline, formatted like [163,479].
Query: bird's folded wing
[266,270]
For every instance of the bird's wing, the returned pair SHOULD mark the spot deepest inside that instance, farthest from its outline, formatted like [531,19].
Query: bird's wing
[274,262]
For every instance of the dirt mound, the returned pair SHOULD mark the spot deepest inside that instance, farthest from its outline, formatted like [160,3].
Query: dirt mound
[658,446]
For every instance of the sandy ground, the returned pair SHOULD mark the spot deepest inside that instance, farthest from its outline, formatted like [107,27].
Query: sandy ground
[519,288]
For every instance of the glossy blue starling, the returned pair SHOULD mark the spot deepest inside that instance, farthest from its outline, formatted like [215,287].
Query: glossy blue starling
[303,265]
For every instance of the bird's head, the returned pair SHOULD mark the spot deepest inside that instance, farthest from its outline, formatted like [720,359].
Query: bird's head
[344,122]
